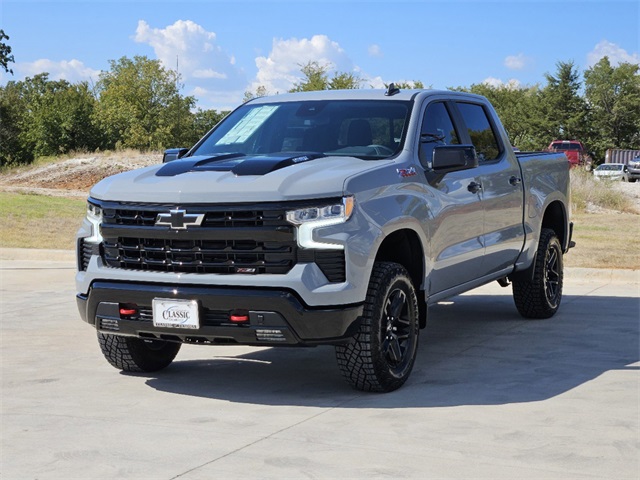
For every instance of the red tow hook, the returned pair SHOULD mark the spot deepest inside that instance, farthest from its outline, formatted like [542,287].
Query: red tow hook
[128,310]
[239,316]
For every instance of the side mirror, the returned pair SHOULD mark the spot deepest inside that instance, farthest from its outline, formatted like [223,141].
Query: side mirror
[173,154]
[451,158]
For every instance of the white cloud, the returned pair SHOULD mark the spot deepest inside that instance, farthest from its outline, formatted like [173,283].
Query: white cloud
[280,70]
[208,73]
[496,83]
[516,62]
[375,51]
[203,64]
[217,98]
[615,53]
[375,82]
[69,70]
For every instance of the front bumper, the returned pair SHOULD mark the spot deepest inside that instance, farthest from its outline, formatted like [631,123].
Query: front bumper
[276,317]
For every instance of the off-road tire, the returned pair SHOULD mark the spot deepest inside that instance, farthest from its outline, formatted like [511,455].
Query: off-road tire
[135,354]
[379,358]
[540,298]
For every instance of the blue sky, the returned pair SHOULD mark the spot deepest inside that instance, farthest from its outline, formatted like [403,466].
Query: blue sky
[225,48]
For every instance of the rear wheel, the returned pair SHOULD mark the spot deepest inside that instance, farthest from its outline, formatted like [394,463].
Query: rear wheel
[135,354]
[541,296]
[381,355]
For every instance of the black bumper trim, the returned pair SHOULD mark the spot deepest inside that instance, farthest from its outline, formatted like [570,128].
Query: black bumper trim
[298,323]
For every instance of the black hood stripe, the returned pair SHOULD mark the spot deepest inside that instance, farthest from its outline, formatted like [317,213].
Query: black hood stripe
[237,163]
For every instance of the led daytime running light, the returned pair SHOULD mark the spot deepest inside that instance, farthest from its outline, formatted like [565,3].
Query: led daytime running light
[309,219]
[94,216]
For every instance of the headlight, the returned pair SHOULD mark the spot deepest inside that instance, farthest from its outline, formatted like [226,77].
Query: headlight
[94,216]
[308,219]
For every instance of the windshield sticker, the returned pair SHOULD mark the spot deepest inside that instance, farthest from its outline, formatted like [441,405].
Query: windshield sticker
[248,125]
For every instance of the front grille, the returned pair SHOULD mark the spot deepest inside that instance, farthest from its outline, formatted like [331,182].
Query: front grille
[230,240]
[228,218]
[199,256]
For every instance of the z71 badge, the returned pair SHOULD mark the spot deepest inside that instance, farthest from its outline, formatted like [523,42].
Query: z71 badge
[406,172]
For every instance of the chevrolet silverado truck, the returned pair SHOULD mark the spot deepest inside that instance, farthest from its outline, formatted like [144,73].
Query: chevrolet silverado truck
[322,218]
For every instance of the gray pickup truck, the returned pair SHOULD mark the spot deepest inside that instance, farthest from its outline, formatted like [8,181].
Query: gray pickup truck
[322,218]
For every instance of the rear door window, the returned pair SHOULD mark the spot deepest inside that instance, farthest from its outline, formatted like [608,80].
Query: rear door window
[483,136]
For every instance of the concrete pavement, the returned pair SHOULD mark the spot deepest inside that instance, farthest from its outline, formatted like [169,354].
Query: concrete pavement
[491,396]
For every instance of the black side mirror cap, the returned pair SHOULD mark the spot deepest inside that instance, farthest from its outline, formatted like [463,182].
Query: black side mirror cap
[451,158]
[173,154]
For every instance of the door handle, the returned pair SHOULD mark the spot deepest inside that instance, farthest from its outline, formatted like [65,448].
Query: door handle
[474,187]
[515,181]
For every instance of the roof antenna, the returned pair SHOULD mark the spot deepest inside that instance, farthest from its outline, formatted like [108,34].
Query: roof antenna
[392,90]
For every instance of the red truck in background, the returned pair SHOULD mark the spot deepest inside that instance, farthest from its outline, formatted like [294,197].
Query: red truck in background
[574,150]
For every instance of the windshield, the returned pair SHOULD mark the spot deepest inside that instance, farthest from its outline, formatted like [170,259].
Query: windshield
[368,129]
[565,146]
[609,167]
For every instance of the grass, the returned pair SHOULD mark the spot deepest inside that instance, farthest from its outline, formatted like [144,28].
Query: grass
[605,240]
[587,192]
[37,221]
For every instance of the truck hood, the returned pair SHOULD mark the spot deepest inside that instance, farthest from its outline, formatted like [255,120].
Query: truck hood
[235,179]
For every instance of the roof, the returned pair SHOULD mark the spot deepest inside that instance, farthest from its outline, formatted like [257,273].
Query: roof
[354,94]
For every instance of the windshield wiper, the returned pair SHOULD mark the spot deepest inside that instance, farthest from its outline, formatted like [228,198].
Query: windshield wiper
[431,137]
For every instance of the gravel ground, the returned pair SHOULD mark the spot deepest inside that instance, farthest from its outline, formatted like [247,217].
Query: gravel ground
[630,189]
[75,176]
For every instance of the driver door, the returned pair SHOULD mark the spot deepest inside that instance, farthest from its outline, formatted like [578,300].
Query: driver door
[457,223]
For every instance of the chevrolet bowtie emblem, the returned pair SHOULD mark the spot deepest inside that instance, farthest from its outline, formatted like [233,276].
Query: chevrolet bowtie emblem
[179,219]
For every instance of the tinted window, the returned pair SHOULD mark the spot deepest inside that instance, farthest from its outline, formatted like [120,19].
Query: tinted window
[437,129]
[482,135]
[566,146]
[367,129]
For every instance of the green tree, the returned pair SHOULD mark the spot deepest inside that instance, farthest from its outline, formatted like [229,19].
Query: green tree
[140,105]
[261,91]
[344,81]
[563,110]
[316,77]
[43,117]
[59,116]
[5,53]
[404,85]
[12,112]
[613,95]
[202,122]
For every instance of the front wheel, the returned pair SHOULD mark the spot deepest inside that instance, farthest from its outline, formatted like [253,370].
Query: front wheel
[132,354]
[541,296]
[380,357]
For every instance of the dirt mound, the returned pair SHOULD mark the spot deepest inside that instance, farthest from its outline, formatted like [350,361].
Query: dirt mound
[74,177]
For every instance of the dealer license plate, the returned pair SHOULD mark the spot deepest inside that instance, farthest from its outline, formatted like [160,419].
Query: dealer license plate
[170,313]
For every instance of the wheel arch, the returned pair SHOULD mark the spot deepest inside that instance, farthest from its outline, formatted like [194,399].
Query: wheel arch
[555,218]
[404,246]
